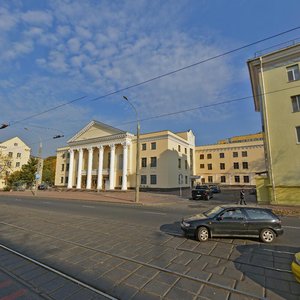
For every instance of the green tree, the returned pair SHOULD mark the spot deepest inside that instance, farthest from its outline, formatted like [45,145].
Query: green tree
[29,170]
[13,179]
[49,170]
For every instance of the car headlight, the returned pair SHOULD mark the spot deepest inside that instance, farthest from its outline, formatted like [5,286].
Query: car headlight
[185,224]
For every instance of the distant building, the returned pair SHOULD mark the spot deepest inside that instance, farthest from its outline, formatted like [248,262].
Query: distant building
[14,154]
[231,162]
[275,79]
[103,157]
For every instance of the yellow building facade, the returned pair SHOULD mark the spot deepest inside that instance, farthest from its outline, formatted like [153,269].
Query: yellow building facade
[231,162]
[14,153]
[104,158]
[275,79]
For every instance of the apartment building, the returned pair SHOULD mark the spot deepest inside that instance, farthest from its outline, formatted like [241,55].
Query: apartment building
[103,157]
[14,154]
[231,162]
[275,80]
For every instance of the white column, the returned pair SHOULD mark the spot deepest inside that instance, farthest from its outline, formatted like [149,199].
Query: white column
[89,170]
[71,166]
[112,168]
[125,163]
[80,157]
[100,168]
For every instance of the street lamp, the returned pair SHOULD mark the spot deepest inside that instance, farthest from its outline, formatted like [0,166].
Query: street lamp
[137,177]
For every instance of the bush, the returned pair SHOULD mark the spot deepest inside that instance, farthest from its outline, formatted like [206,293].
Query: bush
[6,189]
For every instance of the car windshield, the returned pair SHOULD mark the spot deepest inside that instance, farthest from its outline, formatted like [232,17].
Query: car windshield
[213,212]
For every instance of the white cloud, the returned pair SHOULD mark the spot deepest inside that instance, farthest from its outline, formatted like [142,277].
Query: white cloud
[74,45]
[7,20]
[37,17]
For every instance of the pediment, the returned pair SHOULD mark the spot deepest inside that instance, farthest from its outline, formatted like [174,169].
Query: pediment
[94,130]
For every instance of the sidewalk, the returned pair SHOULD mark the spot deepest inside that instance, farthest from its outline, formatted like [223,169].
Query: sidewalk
[128,197]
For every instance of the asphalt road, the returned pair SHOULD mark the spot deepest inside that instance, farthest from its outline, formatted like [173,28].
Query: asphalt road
[165,218]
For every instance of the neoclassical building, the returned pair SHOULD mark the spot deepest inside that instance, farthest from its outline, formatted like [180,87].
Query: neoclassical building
[104,158]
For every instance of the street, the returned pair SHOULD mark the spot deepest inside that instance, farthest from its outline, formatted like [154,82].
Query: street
[139,252]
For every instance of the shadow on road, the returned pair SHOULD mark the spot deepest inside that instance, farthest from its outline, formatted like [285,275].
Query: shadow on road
[268,266]
[172,229]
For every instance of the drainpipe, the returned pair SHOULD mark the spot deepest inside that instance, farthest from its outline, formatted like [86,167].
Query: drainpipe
[264,106]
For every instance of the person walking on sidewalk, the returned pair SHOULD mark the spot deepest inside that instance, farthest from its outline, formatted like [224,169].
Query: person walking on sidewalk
[242,197]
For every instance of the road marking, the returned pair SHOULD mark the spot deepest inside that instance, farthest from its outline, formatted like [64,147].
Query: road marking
[154,213]
[46,202]
[18,199]
[293,227]
[89,206]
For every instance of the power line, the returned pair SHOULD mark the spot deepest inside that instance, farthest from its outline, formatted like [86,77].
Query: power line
[201,107]
[162,75]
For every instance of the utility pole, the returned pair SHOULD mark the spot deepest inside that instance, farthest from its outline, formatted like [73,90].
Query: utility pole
[38,175]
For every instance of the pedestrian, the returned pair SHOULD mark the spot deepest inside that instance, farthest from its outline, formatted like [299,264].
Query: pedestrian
[242,197]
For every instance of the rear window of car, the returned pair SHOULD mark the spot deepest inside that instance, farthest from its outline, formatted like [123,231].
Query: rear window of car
[258,214]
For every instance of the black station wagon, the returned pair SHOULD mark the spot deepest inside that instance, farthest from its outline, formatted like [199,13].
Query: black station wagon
[233,221]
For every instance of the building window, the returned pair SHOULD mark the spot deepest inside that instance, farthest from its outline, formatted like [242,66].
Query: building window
[10,154]
[244,153]
[223,179]
[153,146]
[208,156]
[209,166]
[237,179]
[144,147]
[185,150]
[210,179]
[66,179]
[18,155]
[222,155]
[63,156]
[293,73]
[246,179]
[67,167]
[235,154]
[8,163]
[245,165]
[296,103]
[222,166]
[186,180]
[120,180]
[153,179]
[201,156]
[179,163]
[63,167]
[16,144]
[236,165]
[201,166]
[186,164]
[143,179]
[68,155]
[144,162]
[179,148]
[298,134]
[153,163]
[17,164]
[61,180]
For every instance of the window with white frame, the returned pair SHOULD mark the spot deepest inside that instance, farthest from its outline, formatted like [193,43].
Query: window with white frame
[293,73]
[153,179]
[153,162]
[296,103]
[143,179]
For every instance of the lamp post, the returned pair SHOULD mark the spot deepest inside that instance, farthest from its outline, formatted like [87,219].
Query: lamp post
[137,175]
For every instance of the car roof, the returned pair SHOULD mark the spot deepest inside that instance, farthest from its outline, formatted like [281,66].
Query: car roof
[242,206]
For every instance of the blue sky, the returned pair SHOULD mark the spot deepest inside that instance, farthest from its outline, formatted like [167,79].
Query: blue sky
[52,52]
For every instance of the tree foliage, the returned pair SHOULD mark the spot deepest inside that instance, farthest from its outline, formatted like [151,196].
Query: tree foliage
[49,170]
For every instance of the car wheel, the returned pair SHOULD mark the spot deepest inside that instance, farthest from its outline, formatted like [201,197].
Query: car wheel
[202,234]
[267,235]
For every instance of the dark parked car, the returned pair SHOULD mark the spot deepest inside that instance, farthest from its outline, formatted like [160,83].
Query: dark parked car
[233,221]
[202,192]
[42,187]
[215,189]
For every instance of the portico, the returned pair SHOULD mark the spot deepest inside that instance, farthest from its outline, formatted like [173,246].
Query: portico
[97,163]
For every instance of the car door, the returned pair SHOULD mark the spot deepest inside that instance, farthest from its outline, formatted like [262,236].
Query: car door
[230,222]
